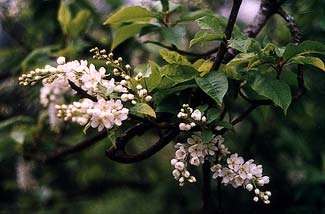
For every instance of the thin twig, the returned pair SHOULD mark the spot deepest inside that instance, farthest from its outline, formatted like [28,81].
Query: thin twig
[228,31]
[64,151]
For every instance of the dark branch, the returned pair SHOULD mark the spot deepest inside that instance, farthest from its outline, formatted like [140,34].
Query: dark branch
[64,151]
[266,10]
[82,92]
[118,153]
[255,102]
[297,38]
[228,31]
[174,48]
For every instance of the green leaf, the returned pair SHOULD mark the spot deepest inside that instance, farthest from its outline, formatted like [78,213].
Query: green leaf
[306,60]
[37,55]
[241,45]
[212,114]
[64,17]
[143,108]
[111,136]
[79,23]
[306,47]
[154,78]
[214,84]
[130,14]
[166,82]
[179,73]
[276,90]
[15,121]
[191,16]
[125,32]
[173,57]
[206,135]
[224,124]
[205,67]
[202,108]
[217,24]
[202,38]
[230,71]
[160,95]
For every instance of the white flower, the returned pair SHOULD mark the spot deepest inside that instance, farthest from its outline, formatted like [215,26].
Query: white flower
[179,165]
[196,115]
[180,154]
[91,79]
[217,171]
[176,174]
[195,161]
[228,175]
[234,162]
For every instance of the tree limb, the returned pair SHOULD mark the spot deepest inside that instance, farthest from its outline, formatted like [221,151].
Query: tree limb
[64,151]
[297,38]
[118,153]
[228,31]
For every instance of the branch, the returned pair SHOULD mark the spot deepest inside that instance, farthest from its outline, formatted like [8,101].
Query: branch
[266,10]
[297,38]
[64,151]
[174,48]
[82,92]
[118,153]
[228,32]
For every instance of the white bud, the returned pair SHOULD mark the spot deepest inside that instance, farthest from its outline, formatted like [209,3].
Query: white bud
[181,180]
[204,119]
[255,199]
[192,124]
[128,67]
[268,193]
[265,197]
[249,187]
[134,102]
[124,97]
[191,179]
[188,127]
[60,60]
[186,174]
[130,96]
[173,161]
[179,165]
[139,87]
[148,98]
[182,126]
[257,191]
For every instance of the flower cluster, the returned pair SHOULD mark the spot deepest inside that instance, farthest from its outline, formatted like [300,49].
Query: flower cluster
[191,118]
[239,173]
[101,114]
[231,169]
[108,110]
[195,152]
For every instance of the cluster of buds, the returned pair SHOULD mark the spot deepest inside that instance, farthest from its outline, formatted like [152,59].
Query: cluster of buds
[34,76]
[195,152]
[247,174]
[118,70]
[263,196]
[192,118]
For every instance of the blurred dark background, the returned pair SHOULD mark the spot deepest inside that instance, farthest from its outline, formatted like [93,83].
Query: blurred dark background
[291,148]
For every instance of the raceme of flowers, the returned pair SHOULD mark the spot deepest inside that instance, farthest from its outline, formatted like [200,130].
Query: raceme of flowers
[235,171]
[107,109]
